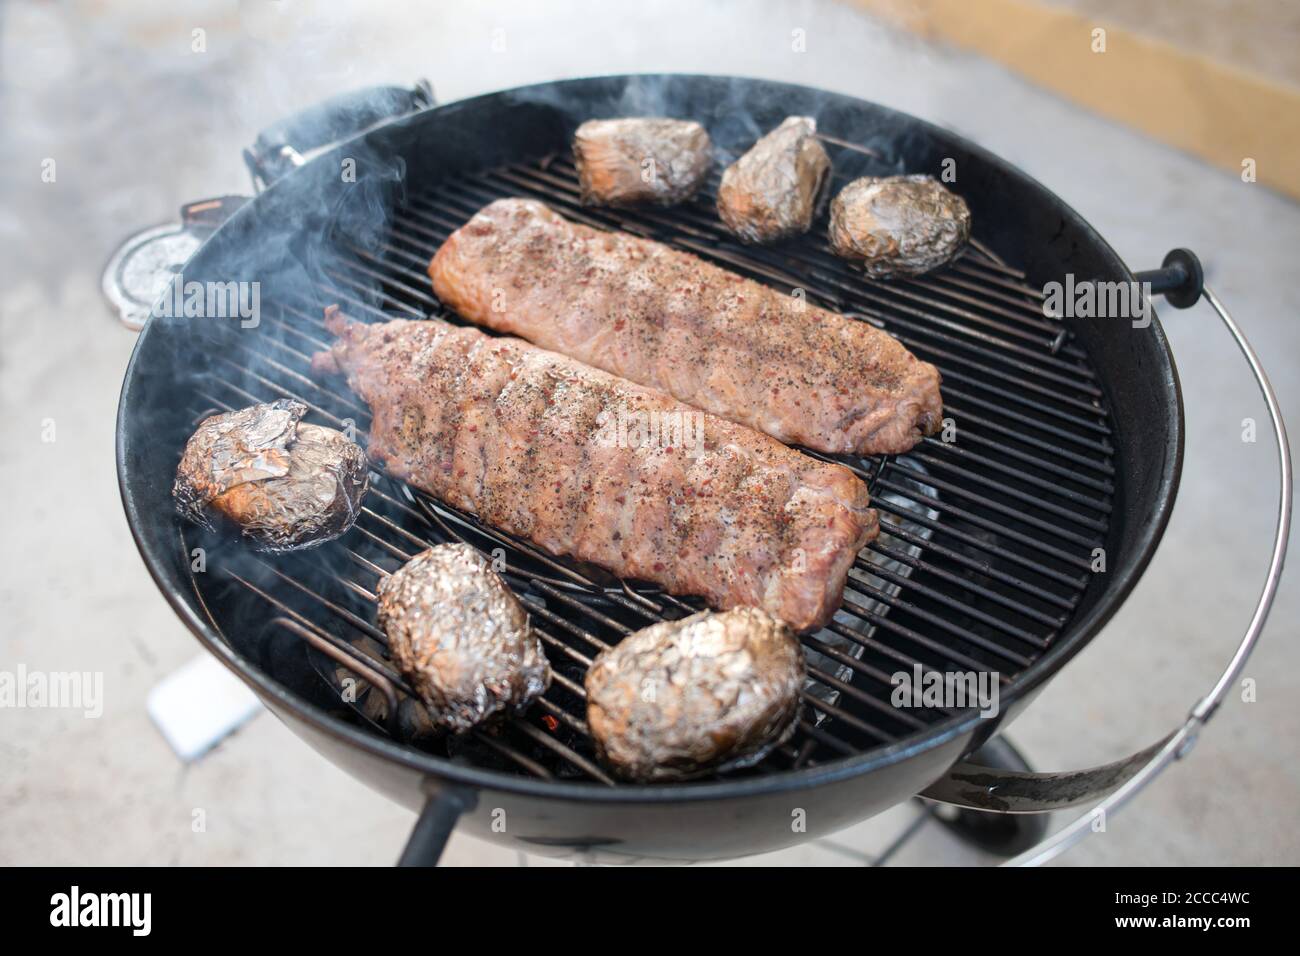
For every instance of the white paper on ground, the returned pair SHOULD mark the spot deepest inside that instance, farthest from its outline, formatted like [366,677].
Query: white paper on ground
[198,705]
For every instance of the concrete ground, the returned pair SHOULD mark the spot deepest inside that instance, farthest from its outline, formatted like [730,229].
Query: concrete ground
[137,123]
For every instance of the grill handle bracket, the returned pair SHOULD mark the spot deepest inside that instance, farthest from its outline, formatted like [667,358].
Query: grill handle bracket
[1109,787]
[1180,279]
[280,147]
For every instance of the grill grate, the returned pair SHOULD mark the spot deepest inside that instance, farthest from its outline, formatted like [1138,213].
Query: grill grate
[986,541]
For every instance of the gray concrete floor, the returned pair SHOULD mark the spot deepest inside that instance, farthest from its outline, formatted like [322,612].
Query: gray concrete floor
[138,123]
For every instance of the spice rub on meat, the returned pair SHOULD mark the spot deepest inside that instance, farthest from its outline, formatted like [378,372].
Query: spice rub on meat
[639,309]
[522,438]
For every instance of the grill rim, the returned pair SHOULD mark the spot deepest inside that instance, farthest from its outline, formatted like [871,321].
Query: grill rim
[1072,639]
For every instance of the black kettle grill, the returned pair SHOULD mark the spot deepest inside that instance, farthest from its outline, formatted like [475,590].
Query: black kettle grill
[1069,444]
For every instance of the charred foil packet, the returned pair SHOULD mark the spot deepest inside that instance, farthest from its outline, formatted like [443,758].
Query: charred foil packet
[625,162]
[684,698]
[284,484]
[460,636]
[772,191]
[898,225]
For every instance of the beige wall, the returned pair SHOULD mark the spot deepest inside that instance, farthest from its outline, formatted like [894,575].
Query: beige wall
[1219,79]
[1255,36]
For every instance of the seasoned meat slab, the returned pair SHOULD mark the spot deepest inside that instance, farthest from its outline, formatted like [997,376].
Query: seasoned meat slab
[535,443]
[683,697]
[636,308]
[771,192]
[461,637]
[625,162]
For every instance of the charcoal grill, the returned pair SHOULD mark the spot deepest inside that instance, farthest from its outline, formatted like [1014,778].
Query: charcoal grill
[1007,542]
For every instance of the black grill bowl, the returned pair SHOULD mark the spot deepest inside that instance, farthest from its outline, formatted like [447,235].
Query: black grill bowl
[1072,442]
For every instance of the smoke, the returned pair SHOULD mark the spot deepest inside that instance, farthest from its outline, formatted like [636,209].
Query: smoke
[736,111]
[321,235]
[302,244]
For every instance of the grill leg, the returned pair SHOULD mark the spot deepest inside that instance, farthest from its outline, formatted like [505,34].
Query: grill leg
[1005,834]
[433,828]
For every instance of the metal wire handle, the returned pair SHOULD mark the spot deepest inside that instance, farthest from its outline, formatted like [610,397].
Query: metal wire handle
[1150,762]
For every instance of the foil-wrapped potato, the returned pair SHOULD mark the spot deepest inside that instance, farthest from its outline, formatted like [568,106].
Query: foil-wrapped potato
[461,637]
[284,484]
[771,192]
[624,162]
[681,698]
[898,225]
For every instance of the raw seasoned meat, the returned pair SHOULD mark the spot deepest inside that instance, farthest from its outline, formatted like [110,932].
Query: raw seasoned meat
[642,310]
[576,460]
